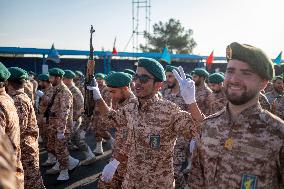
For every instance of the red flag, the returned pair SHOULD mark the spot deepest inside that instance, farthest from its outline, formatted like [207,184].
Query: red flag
[114,51]
[210,58]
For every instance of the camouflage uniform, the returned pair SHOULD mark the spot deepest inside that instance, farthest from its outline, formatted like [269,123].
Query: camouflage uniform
[204,98]
[120,150]
[78,108]
[7,163]
[9,121]
[41,120]
[272,95]
[99,128]
[277,107]
[29,138]
[245,153]
[35,86]
[180,148]
[152,133]
[218,103]
[29,90]
[60,121]
[264,102]
[81,86]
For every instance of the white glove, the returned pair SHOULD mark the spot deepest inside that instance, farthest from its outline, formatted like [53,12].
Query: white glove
[60,136]
[39,93]
[96,91]
[109,170]
[187,86]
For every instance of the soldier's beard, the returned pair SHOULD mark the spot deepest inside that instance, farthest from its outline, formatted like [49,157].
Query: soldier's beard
[171,86]
[241,99]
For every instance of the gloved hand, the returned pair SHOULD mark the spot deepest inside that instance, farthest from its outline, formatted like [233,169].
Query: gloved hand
[96,91]
[39,93]
[109,170]
[60,136]
[187,86]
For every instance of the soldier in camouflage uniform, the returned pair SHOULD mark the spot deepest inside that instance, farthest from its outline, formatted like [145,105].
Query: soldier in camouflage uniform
[29,90]
[153,126]
[277,107]
[28,128]
[7,163]
[99,128]
[60,125]
[215,81]
[277,89]
[172,93]
[204,95]
[78,133]
[241,146]
[79,81]
[119,85]
[34,82]
[9,122]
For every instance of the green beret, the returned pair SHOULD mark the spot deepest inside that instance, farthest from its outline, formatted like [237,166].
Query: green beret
[200,72]
[278,77]
[4,72]
[215,78]
[188,76]
[100,76]
[153,67]
[69,74]
[32,73]
[43,77]
[221,73]
[170,68]
[254,57]
[118,79]
[56,72]
[129,71]
[79,73]
[17,74]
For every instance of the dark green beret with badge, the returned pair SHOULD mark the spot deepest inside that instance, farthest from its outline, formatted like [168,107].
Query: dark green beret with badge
[43,77]
[153,67]
[17,74]
[253,56]
[170,68]
[4,73]
[69,74]
[56,72]
[200,72]
[100,76]
[216,78]
[129,71]
[118,79]
[79,73]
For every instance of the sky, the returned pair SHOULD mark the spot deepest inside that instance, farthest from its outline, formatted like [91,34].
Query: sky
[215,23]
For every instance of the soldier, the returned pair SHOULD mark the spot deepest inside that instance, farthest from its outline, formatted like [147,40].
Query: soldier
[119,88]
[28,128]
[241,146]
[215,82]
[28,89]
[172,93]
[78,133]
[9,122]
[277,89]
[79,81]
[153,125]
[99,128]
[59,117]
[132,73]
[277,107]
[33,81]
[46,87]
[203,93]
[7,163]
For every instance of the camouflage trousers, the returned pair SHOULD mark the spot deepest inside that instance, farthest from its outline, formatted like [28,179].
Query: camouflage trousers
[33,179]
[99,129]
[78,136]
[58,147]
[117,179]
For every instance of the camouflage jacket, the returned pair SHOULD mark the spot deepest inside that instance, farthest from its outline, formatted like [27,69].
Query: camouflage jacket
[78,102]
[204,98]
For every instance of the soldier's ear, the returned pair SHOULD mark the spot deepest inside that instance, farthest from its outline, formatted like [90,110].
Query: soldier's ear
[264,84]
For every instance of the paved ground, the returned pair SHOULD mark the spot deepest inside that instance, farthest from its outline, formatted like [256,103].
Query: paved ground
[84,177]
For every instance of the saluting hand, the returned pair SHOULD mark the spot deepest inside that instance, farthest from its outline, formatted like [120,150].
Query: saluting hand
[187,86]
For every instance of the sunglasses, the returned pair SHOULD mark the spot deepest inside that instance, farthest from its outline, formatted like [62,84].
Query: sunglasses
[142,78]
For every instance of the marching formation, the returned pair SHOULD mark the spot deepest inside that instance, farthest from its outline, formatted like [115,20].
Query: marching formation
[172,129]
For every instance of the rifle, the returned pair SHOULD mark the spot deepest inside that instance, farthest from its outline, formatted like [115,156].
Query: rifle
[46,113]
[89,104]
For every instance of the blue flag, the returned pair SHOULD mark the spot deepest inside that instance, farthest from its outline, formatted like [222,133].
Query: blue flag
[278,59]
[53,55]
[166,56]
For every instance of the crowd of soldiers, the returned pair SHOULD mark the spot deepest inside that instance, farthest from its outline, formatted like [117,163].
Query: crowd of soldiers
[172,130]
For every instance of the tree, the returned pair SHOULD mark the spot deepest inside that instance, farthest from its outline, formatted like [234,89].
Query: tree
[171,35]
